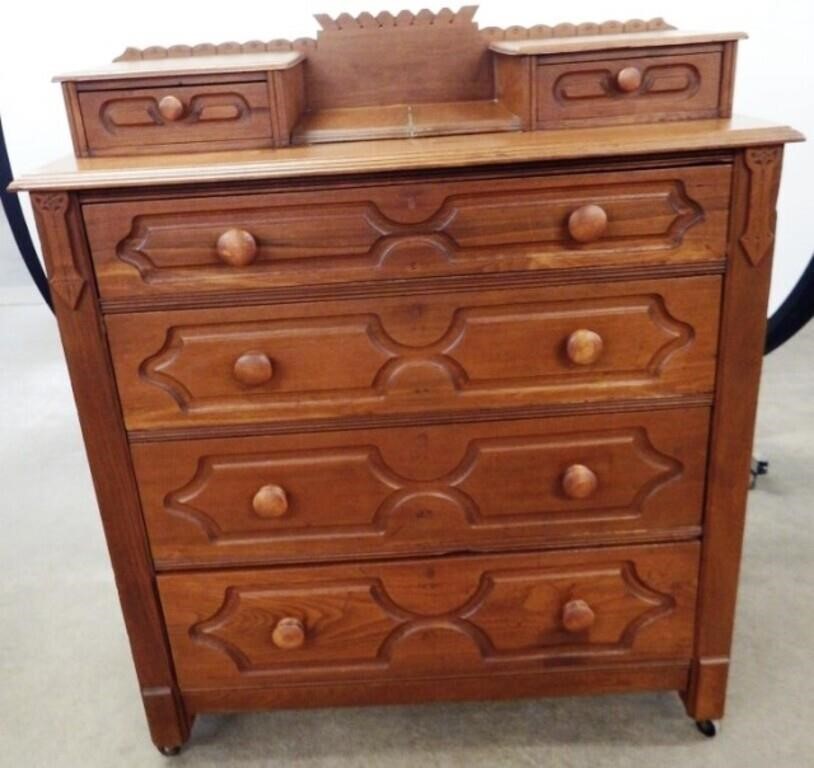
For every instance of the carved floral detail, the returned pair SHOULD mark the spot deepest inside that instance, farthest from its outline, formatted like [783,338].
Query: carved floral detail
[52,202]
[64,277]
[757,239]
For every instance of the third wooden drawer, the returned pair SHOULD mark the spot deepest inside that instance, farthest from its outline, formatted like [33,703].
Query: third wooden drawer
[424,489]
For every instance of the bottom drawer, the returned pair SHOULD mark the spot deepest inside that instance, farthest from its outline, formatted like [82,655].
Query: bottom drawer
[443,617]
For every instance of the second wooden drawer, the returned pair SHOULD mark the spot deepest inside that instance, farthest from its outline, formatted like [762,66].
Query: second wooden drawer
[436,353]
[413,490]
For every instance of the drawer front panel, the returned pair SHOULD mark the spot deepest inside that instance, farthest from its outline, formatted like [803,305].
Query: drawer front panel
[414,490]
[628,90]
[163,247]
[446,352]
[176,117]
[444,617]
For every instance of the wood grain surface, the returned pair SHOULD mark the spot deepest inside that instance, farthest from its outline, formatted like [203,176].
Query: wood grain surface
[435,618]
[413,490]
[412,354]
[460,226]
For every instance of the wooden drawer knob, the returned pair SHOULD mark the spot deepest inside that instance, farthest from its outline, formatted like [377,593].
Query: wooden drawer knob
[237,247]
[270,501]
[289,634]
[171,108]
[629,79]
[579,482]
[587,223]
[577,616]
[253,369]
[584,347]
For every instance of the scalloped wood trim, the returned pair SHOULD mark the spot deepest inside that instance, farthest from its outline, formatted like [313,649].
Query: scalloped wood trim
[586,29]
[368,23]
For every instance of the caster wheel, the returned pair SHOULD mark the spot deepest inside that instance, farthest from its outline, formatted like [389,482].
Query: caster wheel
[169,751]
[707,727]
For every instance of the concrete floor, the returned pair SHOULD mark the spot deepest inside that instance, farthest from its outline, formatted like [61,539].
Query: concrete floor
[68,691]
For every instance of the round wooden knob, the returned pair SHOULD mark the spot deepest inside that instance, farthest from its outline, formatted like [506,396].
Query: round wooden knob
[629,79]
[579,482]
[237,247]
[288,634]
[171,108]
[270,501]
[584,347]
[253,369]
[587,223]
[577,616]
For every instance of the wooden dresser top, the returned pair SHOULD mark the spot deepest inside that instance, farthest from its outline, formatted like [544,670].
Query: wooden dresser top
[406,154]
[187,65]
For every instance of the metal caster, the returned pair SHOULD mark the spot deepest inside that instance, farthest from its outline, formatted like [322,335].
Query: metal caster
[169,751]
[707,727]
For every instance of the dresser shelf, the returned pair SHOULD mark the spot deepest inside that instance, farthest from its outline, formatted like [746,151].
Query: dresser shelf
[402,121]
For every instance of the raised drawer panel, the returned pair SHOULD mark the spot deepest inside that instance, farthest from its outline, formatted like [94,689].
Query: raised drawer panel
[414,490]
[628,90]
[446,352]
[160,248]
[176,118]
[445,617]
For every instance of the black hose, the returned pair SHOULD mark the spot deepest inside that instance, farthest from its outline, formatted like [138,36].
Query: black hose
[19,229]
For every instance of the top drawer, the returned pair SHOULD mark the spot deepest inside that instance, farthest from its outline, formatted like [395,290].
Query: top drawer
[154,250]
[173,118]
[629,89]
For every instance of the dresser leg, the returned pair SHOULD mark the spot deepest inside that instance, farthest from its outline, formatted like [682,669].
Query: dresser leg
[169,723]
[705,696]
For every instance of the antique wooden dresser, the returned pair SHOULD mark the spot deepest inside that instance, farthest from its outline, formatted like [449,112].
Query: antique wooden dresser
[417,362]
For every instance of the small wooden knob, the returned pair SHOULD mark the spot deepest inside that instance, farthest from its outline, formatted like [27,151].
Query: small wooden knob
[288,634]
[584,347]
[577,616]
[579,482]
[629,79]
[270,501]
[237,247]
[587,223]
[171,108]
[253,369]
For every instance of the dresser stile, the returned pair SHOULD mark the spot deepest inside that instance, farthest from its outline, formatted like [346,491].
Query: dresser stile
[740,355]
[76,305]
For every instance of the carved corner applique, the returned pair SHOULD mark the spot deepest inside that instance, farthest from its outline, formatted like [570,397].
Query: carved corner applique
[757,239]
[64,277]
